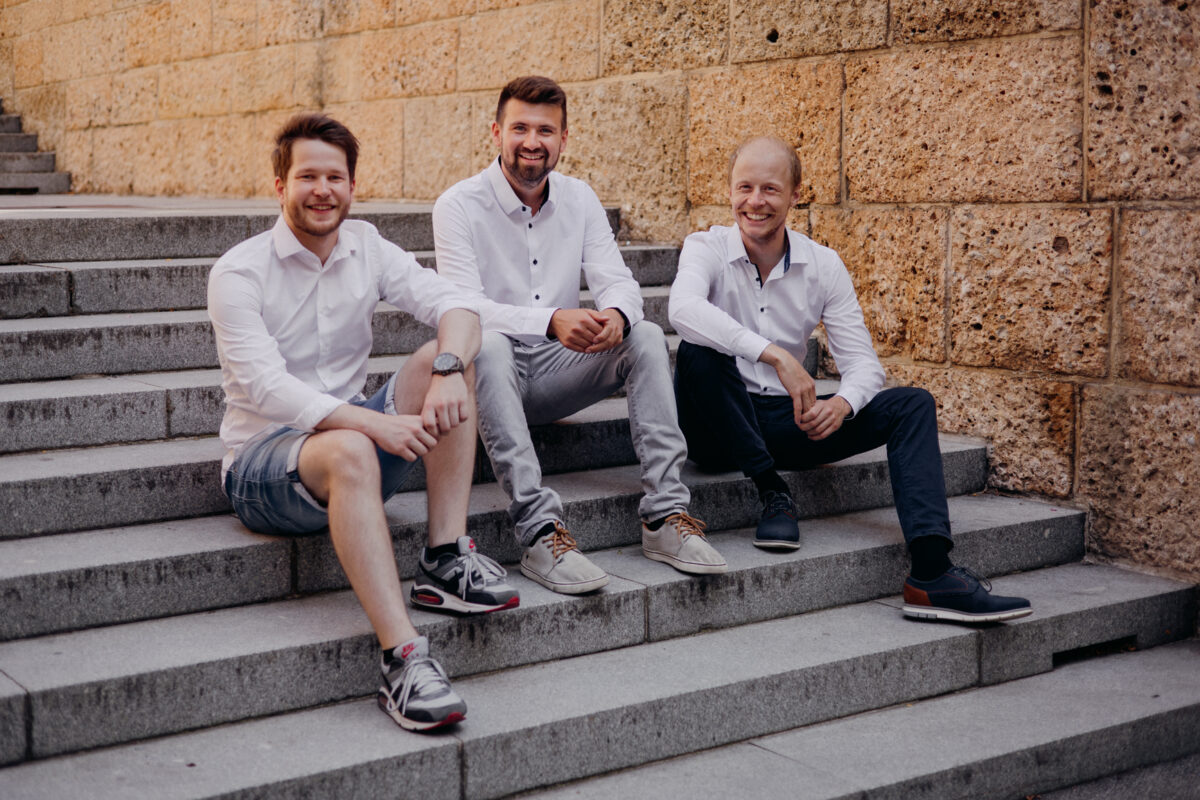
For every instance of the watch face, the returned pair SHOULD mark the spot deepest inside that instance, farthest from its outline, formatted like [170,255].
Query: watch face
[447,363]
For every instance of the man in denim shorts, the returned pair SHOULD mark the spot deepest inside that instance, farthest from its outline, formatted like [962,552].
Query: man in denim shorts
[292,311]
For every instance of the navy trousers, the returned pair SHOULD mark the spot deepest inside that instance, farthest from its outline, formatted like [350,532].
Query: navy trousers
[729,428]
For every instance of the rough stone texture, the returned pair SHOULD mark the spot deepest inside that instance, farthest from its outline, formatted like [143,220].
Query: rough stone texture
[33,292]
[1159,308]
[939,20]
[443,138]
[764,29]
[350,16]
[1029,288]
[12,721]
[282,21]
[651,173]
[134,96]
[380,169]
[996,122]
[897,259]
[233,25]
[1138,465]
[1144,99]
[556,39]
[410,12]
[727,106]
[674,34]
[1029,423]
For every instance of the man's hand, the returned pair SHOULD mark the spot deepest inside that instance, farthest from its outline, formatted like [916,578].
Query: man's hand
[401,435]
[795,379]
[825,417]
[611,335]
[447,404]
[577,328]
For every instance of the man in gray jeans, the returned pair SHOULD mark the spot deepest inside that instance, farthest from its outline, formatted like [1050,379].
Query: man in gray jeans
[516,237]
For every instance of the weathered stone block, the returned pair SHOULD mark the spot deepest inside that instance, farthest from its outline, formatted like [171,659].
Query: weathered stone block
[283,21]
[27,61]
[730,105]
[233,25]
[998,122]
[442,139]
[378,126]
[113,163]
[1138,464]
[263,79]
[351,16]
[6,76]
[410,61]
[89,102]
[641,164]
[762,30]
[308,86]
[561,40]
[43,111]
[1144,100]
[897,259]
[74,155]
[675,34]
[148,34]
[939,20]
[1159,308]
[1029,288]
[197,88]
[410,12]
[340,72]
[134,96]
[191,29]
[1029,422]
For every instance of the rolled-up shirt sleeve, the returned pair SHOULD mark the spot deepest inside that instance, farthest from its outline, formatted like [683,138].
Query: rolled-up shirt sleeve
[693,314]
[849,341]
[610,280]
[252,355]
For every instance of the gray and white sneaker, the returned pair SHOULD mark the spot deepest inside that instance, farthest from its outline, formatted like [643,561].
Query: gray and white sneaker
[680,542]
[416,692]
[555,562]
[469,583]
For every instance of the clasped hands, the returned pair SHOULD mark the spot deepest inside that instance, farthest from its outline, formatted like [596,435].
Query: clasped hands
[586,331]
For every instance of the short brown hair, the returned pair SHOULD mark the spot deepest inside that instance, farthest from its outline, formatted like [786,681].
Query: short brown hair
[784,148]
[534,89]
[311,125]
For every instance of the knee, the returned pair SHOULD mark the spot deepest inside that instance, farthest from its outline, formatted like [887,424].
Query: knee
[647,339]
[495,352]
[349,457]
[696,362]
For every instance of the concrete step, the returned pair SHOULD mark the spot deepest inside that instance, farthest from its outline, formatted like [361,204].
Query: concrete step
[1021,739]
[149,341]
[10,123]
[100,577]
[602,698]
[35,182]
[110,228]
[26,162]
[18,142]
[101,287]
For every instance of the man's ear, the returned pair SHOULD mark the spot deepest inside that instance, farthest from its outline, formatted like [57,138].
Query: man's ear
[495,133]
[562,147]
[279,187]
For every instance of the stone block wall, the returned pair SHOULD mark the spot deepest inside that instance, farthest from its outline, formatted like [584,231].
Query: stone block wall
[1014,184]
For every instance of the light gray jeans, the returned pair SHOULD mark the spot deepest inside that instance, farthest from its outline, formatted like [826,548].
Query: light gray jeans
[520,385]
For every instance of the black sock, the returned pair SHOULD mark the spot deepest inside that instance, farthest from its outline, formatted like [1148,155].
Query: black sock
[434,553]
[930,556]
[542,531]
[656,524]
[769,481]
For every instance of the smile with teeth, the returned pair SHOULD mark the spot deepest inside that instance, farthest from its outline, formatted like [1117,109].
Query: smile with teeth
[757,217]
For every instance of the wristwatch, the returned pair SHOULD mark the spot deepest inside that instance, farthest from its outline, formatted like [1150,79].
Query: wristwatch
[447,364]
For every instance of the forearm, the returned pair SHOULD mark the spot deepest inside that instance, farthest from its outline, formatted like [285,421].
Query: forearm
[459,333]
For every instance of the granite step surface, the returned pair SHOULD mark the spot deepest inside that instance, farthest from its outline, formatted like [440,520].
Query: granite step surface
[10,123]
[172,284]
[1066,728]
[35,182]
[618,699]
[18,142]
[101,577]
[25,162]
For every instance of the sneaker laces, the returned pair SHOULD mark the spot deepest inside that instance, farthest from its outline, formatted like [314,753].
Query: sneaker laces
[561,541]
[477,571]
[419,673]
[688,525]
[779,503]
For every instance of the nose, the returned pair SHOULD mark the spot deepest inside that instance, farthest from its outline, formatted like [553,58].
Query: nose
[321,185]
[530,142]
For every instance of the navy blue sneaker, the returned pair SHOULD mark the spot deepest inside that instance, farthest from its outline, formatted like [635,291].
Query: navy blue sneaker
[777,528]
[959,595]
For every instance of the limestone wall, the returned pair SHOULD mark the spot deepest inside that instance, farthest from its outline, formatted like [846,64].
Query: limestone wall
[1015,184]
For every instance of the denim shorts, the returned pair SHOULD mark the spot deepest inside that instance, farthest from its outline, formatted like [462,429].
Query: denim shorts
[263,483]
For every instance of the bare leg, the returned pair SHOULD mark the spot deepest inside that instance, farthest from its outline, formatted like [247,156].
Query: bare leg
[449,467]
[340,468]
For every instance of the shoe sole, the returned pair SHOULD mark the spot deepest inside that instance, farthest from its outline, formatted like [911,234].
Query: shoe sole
[775,544]
[434,598]
[949,615]
[566,588]
[690,567]
[453,718]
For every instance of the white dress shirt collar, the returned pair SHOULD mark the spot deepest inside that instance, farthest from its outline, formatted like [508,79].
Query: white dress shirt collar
[506,196]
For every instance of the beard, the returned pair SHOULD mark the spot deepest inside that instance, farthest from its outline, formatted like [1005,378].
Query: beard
[298,216]
[529,175]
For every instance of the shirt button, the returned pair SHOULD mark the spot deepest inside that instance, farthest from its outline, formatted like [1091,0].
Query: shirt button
[523,208]
[537,297]
[762,309]
[535,261]
[531,224]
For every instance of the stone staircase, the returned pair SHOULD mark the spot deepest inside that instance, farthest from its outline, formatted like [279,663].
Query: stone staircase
[152,647]
[23,170]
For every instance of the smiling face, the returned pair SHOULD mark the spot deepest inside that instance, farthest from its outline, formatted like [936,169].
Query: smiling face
[530,137]
[761,191]
[317,194]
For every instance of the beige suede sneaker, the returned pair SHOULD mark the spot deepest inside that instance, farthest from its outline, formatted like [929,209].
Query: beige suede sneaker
[681,543]
[555,562]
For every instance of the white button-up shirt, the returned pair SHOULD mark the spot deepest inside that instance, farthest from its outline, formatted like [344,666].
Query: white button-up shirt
[716,301]
[293,334]
[528,266]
